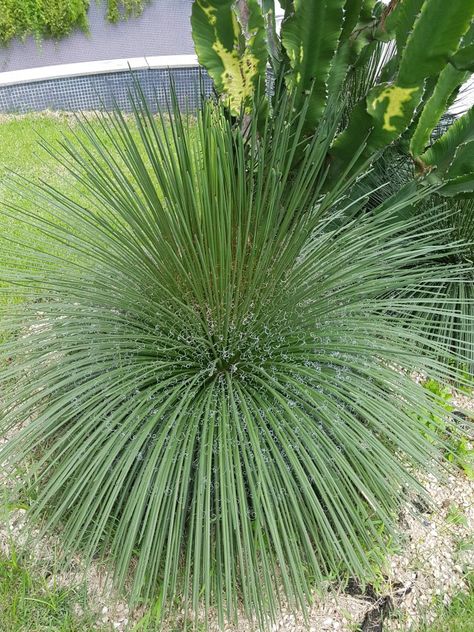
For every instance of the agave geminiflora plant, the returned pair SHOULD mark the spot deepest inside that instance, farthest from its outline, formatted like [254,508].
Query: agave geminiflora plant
[217,378]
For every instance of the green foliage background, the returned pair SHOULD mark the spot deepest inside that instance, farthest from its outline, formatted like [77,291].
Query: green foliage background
[41,18]
[117,9]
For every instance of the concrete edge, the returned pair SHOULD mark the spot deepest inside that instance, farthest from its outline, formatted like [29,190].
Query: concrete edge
[44,73]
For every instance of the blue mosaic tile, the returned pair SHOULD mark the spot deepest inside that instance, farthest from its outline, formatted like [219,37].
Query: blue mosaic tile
[96,92]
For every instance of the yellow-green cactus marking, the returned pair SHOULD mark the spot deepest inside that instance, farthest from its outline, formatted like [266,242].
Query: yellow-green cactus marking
[237,76]
[239,70]
[236,72]
[396,97]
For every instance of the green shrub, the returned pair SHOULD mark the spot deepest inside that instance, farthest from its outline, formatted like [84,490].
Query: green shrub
[117,9]
[41,18]
[60,17]
[395,93]
[453,299]
[218,379]
[326,51]
[457,296]
[438,423]
[18,18]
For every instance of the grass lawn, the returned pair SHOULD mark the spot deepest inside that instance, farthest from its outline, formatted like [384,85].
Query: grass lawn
[21,154]
[459,617]
[29,602]
[19,136]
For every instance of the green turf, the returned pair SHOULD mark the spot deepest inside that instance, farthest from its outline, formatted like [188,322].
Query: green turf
[459,617]
[20,152]
[21,156]
[31,602]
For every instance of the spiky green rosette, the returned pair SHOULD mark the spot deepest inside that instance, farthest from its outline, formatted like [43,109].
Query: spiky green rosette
[216,388]
[453,318]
